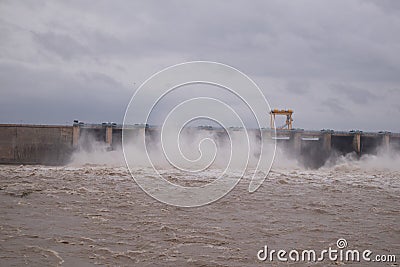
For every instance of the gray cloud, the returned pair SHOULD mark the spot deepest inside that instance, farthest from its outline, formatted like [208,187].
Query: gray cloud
[60,44]
[46,96]
[334,105]
[80,59]
[354,94]
[299,87]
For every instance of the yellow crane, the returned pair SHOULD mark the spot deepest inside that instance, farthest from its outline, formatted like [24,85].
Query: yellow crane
[285,112]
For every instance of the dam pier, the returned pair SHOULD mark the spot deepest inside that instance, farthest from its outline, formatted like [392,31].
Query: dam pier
[55,144]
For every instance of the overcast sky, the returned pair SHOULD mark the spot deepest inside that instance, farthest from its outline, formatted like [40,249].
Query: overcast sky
[336,63]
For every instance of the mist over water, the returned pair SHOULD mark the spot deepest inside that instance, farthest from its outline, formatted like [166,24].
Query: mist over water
[196,149]
[92,151]
[384,160]
[203,148]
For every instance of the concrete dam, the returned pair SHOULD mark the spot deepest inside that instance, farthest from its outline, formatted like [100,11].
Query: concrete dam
[54,145]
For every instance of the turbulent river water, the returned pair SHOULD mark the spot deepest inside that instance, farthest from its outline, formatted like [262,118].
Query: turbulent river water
[95,214]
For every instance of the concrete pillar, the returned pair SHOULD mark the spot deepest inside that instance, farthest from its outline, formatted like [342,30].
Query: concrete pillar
[109,131]
[357,143]
[272,121]
[267,135]
[295,138]
[327,142]
[386,141]
[76,130]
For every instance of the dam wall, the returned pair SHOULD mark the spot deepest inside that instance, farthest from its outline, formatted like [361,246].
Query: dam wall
[35,144]
[54,145]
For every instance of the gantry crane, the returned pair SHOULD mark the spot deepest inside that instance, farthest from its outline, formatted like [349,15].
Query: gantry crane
[288,113]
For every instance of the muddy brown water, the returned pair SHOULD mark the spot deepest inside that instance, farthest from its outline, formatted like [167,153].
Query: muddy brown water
[97,215]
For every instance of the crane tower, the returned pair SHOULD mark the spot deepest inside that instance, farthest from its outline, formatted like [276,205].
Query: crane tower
[288,113]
